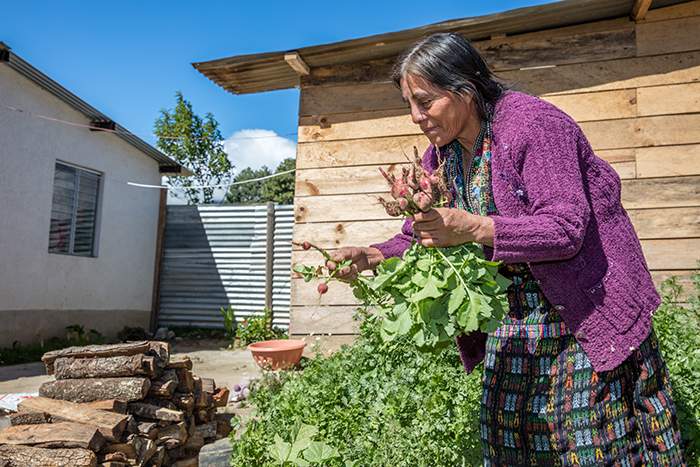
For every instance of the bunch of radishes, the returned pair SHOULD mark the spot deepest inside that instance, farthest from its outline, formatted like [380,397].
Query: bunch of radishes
[415,190]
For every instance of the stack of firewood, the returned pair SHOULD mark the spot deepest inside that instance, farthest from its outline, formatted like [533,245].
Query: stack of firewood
[116,406]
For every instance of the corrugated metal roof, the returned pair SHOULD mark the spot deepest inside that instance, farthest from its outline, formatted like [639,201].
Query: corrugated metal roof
[23,67]
[242,74]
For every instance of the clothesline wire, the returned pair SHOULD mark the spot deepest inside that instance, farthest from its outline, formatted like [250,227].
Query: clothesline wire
[225,185]
[119,132]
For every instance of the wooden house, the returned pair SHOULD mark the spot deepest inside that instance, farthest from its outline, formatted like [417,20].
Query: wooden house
[627,71]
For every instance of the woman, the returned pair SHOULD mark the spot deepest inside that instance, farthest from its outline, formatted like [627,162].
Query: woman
[574,375]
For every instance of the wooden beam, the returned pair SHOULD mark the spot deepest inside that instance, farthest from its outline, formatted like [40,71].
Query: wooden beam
[639,10]
[297,63]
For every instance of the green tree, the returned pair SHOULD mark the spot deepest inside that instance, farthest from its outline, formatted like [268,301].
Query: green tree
[196,143]
[279,189]
[248,193]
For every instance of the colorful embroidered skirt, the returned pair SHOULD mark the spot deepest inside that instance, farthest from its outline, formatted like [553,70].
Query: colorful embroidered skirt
[544,405]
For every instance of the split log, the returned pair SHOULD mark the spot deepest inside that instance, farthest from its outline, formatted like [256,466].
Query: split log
[185,380]
[165,385]
[208,385]
[93,351]
[184,402]
[223,424]
[148,429]
[207,430]
[110,425]
[145,448]
[194,442]
[203,400]
[180,362]
[126,449]
[90,390]
[111,405]
[54,435]
[204,415]
[158,458]
[114,456]
[190,462]
[176,434]
[153,412]
[164,403]
[172,455]
[220,397]
[29,418]
[107,367]
[160,350]
[25,456]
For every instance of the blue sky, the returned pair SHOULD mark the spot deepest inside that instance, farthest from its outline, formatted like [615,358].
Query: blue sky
[128,58]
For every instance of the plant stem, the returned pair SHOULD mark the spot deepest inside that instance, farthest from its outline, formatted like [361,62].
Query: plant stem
[453,268]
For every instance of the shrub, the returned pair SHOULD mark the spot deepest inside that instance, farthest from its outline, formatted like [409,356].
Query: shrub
[375,403]
[26,353]
[678,329]
[258,328]
[388,404]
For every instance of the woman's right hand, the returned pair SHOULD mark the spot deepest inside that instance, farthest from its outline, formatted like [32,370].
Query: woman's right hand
[362,258]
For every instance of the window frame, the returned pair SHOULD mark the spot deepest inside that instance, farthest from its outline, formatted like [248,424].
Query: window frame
[74,212]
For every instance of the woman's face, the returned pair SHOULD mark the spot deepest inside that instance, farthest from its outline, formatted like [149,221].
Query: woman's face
[441,115]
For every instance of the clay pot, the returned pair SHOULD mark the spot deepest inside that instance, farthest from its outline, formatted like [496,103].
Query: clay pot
[277,354]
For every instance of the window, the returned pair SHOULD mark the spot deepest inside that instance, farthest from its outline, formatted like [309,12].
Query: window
[74,211]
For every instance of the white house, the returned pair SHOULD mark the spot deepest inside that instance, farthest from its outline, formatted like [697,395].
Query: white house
[77,244]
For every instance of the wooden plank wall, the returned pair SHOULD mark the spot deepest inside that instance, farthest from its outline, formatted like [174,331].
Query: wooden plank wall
[634,89]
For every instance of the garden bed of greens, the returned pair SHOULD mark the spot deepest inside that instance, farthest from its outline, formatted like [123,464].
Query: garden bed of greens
[379,403]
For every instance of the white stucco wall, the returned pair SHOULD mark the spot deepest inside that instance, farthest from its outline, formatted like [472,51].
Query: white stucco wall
[40,293]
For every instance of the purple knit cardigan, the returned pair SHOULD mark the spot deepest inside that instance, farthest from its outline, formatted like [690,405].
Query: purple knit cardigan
[559,211]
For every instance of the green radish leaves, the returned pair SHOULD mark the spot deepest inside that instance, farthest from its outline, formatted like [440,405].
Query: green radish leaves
[435,294]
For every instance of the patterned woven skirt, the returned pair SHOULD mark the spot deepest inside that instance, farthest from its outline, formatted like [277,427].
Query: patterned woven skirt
[544,405]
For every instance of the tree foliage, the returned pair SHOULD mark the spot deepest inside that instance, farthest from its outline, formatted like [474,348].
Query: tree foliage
[196,143]
[278,189]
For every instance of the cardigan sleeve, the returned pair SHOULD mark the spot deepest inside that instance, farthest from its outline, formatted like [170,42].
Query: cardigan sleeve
[553,184]
[398,244]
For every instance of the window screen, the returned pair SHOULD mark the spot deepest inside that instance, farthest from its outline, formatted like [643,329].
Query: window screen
[74,211]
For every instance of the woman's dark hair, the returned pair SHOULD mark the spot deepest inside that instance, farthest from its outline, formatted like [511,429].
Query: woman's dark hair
[450,62]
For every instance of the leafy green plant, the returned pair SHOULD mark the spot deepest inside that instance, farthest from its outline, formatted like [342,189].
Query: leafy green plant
[258,328]
[431,294]
[677,326]
[376,403]
[302,451]
[26,353]
[229,321]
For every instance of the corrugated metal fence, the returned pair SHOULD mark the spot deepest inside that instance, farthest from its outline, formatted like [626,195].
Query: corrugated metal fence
[215,256]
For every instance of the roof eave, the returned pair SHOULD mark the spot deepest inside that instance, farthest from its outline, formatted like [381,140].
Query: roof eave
[24,68]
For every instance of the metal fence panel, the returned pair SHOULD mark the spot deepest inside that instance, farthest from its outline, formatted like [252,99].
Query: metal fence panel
[215,256]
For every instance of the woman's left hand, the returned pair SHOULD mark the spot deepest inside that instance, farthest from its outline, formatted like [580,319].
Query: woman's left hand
[443,227]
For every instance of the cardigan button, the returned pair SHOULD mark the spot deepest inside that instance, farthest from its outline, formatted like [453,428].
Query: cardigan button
[581,336]
[559,307]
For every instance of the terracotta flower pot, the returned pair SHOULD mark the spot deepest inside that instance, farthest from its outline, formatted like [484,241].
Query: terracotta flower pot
[277,354]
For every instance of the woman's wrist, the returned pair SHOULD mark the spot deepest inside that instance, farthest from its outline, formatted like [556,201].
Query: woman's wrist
[374,256]
[483,230]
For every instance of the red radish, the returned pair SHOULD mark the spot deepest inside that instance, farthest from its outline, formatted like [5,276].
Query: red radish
[425,184]
[403,204]
[331,266]
[322,288]
[306,245]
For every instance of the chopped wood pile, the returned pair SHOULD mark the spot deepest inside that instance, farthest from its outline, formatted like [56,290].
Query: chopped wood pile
[116,406]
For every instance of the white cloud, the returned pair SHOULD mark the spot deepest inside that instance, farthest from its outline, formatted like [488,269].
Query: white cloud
[256,147]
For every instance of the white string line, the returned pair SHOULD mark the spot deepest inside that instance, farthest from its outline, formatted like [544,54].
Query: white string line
[242,182]
[118,132]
